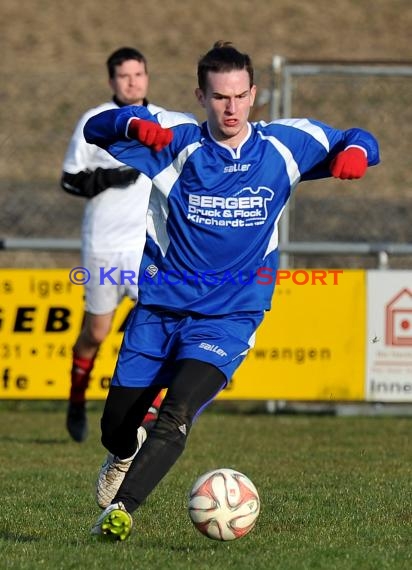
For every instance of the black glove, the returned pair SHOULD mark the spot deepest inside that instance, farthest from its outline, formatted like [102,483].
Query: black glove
[122,176]
[88,184]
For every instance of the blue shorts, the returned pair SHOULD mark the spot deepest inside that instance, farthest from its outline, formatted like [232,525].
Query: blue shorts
[154,339]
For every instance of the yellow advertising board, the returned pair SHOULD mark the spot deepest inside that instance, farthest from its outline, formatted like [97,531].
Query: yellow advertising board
[309,347]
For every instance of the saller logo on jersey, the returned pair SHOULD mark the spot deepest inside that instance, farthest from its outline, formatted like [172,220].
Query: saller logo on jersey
[247,208]
[237,168]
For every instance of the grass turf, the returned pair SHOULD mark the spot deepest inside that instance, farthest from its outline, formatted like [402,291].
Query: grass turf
[335,493]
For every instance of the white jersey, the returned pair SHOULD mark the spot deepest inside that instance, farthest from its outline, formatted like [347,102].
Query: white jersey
[114,220]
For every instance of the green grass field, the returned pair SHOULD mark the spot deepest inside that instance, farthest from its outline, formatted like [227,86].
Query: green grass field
[335,494]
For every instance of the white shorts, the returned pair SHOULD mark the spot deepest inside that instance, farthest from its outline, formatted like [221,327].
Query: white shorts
[112,277]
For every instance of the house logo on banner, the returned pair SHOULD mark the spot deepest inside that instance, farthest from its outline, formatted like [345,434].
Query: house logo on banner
[399,319]
[389,336]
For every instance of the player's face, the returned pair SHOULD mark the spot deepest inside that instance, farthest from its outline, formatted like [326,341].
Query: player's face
[227,101]
[130,82]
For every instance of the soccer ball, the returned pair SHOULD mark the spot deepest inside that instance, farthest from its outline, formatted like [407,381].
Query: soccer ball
[224,504]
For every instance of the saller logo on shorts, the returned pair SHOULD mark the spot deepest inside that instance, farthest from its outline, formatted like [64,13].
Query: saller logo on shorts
[213,348]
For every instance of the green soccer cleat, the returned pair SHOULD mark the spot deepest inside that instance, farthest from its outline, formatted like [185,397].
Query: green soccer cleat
[115,523]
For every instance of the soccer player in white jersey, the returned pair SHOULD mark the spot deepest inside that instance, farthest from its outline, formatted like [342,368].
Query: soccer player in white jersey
[113,231]
[220,190]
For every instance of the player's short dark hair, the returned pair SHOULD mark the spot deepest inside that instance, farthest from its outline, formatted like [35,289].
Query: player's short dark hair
[221,58]
[121,55]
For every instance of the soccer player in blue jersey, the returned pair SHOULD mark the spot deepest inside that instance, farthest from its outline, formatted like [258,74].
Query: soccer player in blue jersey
[220,190]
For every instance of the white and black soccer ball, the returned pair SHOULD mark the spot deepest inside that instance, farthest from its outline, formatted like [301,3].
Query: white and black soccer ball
[224,504]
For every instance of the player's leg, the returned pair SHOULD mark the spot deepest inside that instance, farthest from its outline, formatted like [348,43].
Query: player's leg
[122,436]
[184,400]
[95,329]
[143,362]
[195,384]
[197,377]
[122,415]
[101,301]
[133,388]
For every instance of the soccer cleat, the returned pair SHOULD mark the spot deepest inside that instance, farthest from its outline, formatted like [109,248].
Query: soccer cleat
[76,421]
[115,523]
[113,471]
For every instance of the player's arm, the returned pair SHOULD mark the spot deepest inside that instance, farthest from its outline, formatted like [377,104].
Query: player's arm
[143,141]
[360,151]
[135,137]
[350,154]
[127,123]
[88,184]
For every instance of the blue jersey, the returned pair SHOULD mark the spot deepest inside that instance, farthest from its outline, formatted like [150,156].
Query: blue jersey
[212,245]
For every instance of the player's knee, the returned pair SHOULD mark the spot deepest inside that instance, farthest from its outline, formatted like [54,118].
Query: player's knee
[91,337]
[95,329]
[115,439]
[107,441]
[173,424]
[96,335]
[108,433]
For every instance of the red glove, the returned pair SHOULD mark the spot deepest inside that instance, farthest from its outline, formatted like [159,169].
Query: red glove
[149,133]
[349,163]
